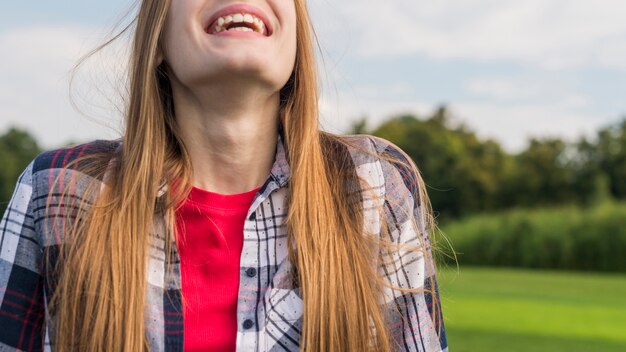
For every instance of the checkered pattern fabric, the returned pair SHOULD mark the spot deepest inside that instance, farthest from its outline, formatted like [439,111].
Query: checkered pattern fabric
[269,307]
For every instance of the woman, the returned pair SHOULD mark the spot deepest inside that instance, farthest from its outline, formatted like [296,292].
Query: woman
[142,243]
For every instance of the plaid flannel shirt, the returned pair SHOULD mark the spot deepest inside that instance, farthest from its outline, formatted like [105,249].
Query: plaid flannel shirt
[269,313]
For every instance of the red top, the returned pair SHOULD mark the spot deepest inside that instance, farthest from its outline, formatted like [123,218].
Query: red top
[210,239]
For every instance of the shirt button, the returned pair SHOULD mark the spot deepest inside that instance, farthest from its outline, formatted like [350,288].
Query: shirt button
[248,324]
[251,272]
[252,217]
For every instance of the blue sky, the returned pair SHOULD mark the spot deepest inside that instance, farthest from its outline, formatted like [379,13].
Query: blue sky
[508,69]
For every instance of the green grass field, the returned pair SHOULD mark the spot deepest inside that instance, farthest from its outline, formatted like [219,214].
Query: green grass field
[489,309]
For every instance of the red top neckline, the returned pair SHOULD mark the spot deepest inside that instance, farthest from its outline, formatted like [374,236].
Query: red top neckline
[207,199]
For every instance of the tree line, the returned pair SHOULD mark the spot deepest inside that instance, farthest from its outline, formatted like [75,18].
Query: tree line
[464,173]
[17,149]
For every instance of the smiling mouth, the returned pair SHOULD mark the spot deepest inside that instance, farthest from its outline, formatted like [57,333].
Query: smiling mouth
[240,22]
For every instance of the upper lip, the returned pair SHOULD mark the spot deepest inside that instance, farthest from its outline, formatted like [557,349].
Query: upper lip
[239,8]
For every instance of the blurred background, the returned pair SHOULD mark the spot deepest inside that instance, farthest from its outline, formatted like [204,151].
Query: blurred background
[513,110]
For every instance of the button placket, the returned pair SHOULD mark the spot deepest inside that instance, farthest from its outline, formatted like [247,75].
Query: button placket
[251,272]
[248,323]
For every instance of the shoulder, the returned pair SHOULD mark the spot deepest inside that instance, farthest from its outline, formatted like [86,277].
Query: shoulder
[70,170]
[371,148]
[66,179]
[66,157]
[397,170]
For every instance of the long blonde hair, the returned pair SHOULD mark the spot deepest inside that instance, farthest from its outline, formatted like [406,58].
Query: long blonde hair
[100,294]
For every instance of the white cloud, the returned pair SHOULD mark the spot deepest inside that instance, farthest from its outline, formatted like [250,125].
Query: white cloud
[34,90]
[339,109]
[556,38]
[510,123]
[552,34]
[525,89]
[513,125]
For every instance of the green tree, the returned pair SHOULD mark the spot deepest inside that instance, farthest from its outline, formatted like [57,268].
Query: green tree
[17,149]
[359,126]
[545,174]
[463,173]
[591,183]
[611,149]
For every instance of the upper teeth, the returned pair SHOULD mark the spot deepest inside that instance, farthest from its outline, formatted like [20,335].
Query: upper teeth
[222,23]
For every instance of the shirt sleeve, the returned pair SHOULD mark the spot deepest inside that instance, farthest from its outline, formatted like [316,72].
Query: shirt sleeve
[21,283]
[415,318]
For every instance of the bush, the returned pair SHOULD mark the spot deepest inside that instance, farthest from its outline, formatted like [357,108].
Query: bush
[568,237]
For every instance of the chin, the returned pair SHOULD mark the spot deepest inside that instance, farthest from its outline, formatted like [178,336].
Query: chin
[245,62]
[254,68]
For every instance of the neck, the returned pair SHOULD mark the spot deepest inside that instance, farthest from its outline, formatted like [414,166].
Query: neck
[230,134]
